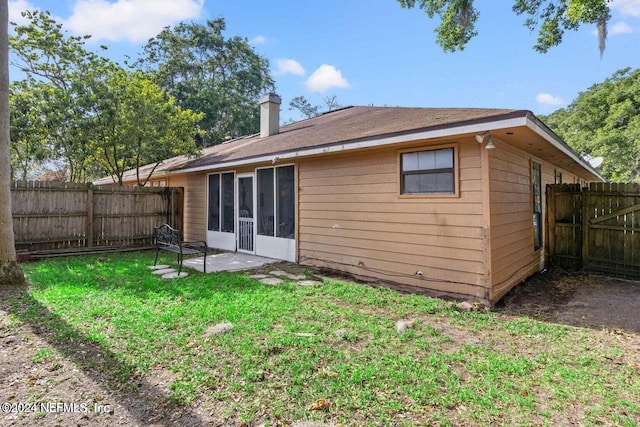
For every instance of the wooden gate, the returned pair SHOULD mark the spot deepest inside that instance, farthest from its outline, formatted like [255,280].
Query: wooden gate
[596,227]
[564,204]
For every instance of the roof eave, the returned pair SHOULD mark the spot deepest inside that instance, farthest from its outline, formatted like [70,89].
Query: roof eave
[541,129]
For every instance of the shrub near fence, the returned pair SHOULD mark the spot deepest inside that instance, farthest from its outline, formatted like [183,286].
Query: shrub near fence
[59,216]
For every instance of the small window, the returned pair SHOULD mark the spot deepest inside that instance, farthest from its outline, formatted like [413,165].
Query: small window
[428,172]
[558,177]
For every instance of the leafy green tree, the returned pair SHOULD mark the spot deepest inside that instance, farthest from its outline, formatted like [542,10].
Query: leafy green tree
[301,104]
[206,72]
[29,147]
[604,121]
[100,118]
[132,123]
[10,271]
[46,53]
[551,18]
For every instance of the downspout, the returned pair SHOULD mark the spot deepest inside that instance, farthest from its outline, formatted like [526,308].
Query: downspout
[297,209]
[486,221]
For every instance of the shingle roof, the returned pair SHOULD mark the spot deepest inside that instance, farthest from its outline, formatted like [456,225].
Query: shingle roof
[349,124]
[345,125]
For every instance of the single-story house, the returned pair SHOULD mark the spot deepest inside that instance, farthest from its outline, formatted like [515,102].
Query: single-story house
[447,200]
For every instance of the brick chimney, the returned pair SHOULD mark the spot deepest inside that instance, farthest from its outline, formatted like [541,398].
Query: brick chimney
[269,115]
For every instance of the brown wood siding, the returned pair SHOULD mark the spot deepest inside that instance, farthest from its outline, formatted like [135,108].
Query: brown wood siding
[195,204]
[352,218]
[513,257]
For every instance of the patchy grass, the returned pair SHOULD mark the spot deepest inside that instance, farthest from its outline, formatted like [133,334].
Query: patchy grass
[329,352]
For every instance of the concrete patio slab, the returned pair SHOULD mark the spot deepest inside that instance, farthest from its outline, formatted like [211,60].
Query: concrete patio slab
[228,261]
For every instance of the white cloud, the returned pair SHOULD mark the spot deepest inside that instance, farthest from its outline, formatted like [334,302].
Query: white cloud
[617,28]
[131,20]
[259,40]
[16,7]
[548,99]
[626,7]
[289,66]
[325,78]
[620,28]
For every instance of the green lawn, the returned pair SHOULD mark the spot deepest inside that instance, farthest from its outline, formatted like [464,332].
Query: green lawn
[283,361]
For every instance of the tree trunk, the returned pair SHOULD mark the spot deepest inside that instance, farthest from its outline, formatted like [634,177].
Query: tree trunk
[10,271]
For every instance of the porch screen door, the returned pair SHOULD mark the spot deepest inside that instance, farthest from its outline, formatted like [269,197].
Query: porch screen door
[246,214]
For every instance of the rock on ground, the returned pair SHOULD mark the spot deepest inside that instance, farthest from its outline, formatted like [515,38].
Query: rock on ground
[219,329]
[404,325]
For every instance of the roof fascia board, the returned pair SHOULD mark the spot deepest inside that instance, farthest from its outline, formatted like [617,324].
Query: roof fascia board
[541,130]
[370,143]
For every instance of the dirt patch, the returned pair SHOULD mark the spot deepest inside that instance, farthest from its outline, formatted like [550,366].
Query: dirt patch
[577,299]
[555,295]
[47,381]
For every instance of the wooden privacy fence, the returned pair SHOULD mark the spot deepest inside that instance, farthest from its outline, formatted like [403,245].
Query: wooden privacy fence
[53,216]
[595,227]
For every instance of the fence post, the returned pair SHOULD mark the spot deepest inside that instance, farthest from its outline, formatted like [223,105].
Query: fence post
[586,204]
[89,231]
[551,222]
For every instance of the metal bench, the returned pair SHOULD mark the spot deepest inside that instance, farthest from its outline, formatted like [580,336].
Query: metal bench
[169,239]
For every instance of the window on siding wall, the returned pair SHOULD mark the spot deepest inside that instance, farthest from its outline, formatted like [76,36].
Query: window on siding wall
[276,202]
[536,183]
[428,172]
[221,202]
[558,177]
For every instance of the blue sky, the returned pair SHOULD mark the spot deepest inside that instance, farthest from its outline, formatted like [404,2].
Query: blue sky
[373,52]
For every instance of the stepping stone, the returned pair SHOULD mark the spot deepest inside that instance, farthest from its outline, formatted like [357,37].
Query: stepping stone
[174,275]
[309,283]
[295,276]
[305,335]
[163,271]
[158,267]
[290,276]
[278,273]
[271,281]
[258,276]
